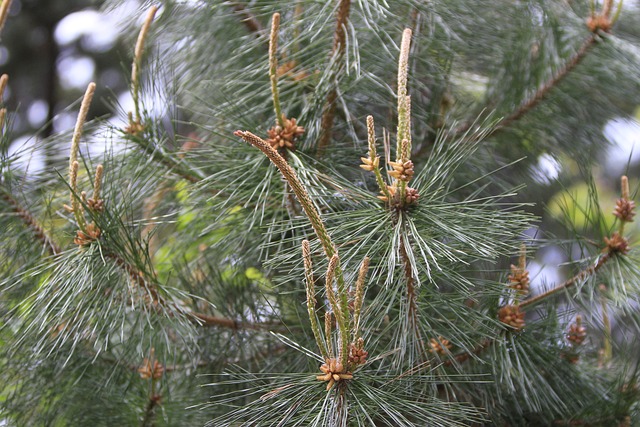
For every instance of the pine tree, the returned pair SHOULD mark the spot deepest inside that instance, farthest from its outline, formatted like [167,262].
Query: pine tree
[316,215]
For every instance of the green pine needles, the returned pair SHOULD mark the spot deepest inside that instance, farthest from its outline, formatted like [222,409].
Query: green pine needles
[330,272]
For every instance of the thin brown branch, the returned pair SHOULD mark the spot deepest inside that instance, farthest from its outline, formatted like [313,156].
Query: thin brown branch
[206,320]
[339,41]
[542,91]
[196,318]
[172,164]
[411,295]
[149,413]
[29,220]
[462,357]
[247,18]
[589,271]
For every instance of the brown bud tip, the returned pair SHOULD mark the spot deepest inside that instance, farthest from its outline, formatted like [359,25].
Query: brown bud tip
[624,186]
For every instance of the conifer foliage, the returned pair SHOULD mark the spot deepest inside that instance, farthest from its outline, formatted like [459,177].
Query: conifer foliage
[316,215]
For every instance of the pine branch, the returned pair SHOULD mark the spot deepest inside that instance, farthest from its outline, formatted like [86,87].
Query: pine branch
[411,295]
[339,41]
[589,271]
[542,91]
[199,319]
[175,166]
[149,412]
[247,18]
[223,322]
[29,220]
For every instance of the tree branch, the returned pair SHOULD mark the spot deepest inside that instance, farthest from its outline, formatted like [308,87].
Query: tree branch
[542,91]
[196,318]
[411,295]
[589,271]
[31,223]
[167,161]
[329,110]
[248,19]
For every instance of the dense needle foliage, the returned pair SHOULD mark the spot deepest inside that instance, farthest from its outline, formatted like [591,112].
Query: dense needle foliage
[323,213]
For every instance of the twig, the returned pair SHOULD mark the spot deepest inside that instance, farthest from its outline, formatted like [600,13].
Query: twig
[164,159]
[467,355]
[411,294]
[461,357]
[569,282]
[4,12]
[541,93]
[154,400]
[199,319]
[248,19]
[137,61]
[206,320]
[31,223]
[338,49]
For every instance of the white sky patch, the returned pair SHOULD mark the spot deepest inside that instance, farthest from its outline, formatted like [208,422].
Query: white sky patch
[624,135]
[27,158]
[543,277]
[64,121]
[98,30]
[76,72]
[4,55]
[546,170]
[37,113]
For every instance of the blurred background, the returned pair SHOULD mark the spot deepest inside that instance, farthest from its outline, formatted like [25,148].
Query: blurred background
[51,50]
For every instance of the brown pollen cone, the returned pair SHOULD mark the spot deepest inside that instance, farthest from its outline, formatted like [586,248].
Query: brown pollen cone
[95,205]
[577,333]
[281,137]
[625,210]
[411,196]
[617,244]
[333,371]
[599,22]
[357,354]
[519,280]
[84,238]
[512,316]
[402,171]
[151,369]
[439,346]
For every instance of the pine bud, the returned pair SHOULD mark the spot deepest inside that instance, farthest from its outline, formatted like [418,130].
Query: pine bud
[577,333]
[512,316]
[85,238]
[281,137]
[625,210]
[439,346]
[617,244]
